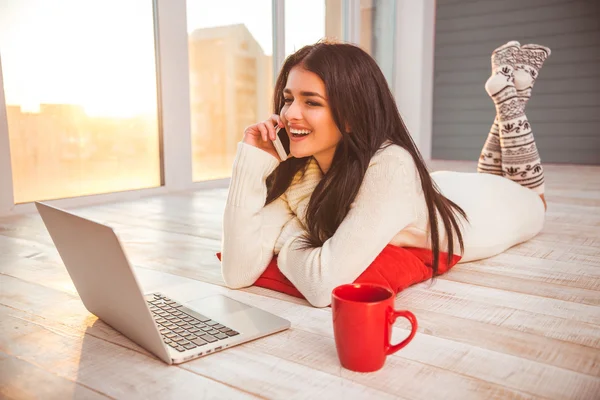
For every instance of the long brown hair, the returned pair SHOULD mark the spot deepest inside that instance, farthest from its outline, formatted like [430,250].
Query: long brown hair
[359,98]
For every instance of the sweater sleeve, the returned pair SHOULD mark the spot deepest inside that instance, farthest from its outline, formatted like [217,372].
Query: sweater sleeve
[383,206]
[250,229]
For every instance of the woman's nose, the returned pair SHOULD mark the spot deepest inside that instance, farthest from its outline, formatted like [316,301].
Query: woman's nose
[293,112]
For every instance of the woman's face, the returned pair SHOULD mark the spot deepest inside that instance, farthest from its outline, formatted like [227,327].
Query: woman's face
[307,118]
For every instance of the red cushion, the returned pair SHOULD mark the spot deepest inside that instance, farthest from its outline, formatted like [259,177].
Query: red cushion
[395,268]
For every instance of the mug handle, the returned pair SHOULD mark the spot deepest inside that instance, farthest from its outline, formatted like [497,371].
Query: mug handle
[391,349]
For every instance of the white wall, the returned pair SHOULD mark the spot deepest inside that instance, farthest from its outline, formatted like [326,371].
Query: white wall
[413,80]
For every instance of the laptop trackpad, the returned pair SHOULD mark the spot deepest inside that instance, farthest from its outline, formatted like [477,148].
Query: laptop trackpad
[218,305]
[238,316]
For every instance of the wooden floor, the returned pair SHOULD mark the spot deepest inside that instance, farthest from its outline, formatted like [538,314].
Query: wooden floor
[524,324]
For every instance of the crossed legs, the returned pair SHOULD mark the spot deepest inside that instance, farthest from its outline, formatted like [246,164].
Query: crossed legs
[510,149]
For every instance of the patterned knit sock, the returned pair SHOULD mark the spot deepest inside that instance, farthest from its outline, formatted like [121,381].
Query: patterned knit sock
[520,158]
[490,160]
[528,62]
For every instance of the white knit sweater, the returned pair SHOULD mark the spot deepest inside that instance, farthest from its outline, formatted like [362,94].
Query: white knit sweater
[389,209]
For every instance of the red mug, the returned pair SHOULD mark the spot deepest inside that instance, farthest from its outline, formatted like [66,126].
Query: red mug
[363,315]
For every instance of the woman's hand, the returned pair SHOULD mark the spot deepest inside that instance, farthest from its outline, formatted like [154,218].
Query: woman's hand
[262,134]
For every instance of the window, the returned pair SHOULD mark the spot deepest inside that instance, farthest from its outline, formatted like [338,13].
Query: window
[308,21]
[231,78]
[377,22]
[304,23]
[80,87]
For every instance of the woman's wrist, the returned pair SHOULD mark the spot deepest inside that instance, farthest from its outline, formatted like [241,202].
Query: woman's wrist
[251,168]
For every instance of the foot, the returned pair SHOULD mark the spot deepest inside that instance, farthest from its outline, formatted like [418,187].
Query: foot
[528,62]
[505,55]
[500,88]
[503,65]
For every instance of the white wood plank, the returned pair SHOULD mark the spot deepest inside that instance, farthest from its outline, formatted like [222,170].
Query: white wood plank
[484,374]
[522,285]
[429,349]
[278,378]
[247,370]
[96,329]
[22,380]
[513,300]
[113,370]
[501,339]
[318,321]
[539,270]
[154,280]
[550,251]
[543,325]
[505,340]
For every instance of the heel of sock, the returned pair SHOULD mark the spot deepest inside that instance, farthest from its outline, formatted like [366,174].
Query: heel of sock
[523,78]
[499,81]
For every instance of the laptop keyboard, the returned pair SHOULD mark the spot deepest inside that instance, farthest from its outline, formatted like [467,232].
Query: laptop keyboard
[182,328]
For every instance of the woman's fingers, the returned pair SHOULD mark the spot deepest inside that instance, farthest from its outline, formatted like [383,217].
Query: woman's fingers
[271,128]
[275,122]
[266,130]
[277,119]
[264,133]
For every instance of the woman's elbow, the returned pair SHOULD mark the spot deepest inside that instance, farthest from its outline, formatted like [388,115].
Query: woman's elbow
[234,284]
[316,291]
[235,280]
[321,297]
[234,276]
[320,303]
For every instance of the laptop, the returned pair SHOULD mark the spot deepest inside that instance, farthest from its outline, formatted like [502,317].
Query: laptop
[108,287]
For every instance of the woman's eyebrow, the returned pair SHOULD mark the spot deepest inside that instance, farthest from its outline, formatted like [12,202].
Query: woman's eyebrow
[305,93]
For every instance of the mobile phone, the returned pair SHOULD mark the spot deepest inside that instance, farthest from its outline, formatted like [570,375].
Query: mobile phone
[282,143]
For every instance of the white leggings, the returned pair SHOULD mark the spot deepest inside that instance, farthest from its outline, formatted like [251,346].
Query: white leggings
[501,213]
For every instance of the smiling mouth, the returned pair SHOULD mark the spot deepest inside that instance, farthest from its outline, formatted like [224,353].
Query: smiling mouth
[299,132]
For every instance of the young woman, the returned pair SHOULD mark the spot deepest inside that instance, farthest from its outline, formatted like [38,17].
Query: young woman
[356,183]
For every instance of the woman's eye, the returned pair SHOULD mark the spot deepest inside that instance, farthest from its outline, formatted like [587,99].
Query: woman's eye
[287,100]
[312,103]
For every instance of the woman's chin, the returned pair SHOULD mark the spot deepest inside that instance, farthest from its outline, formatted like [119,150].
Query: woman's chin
[297,153]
